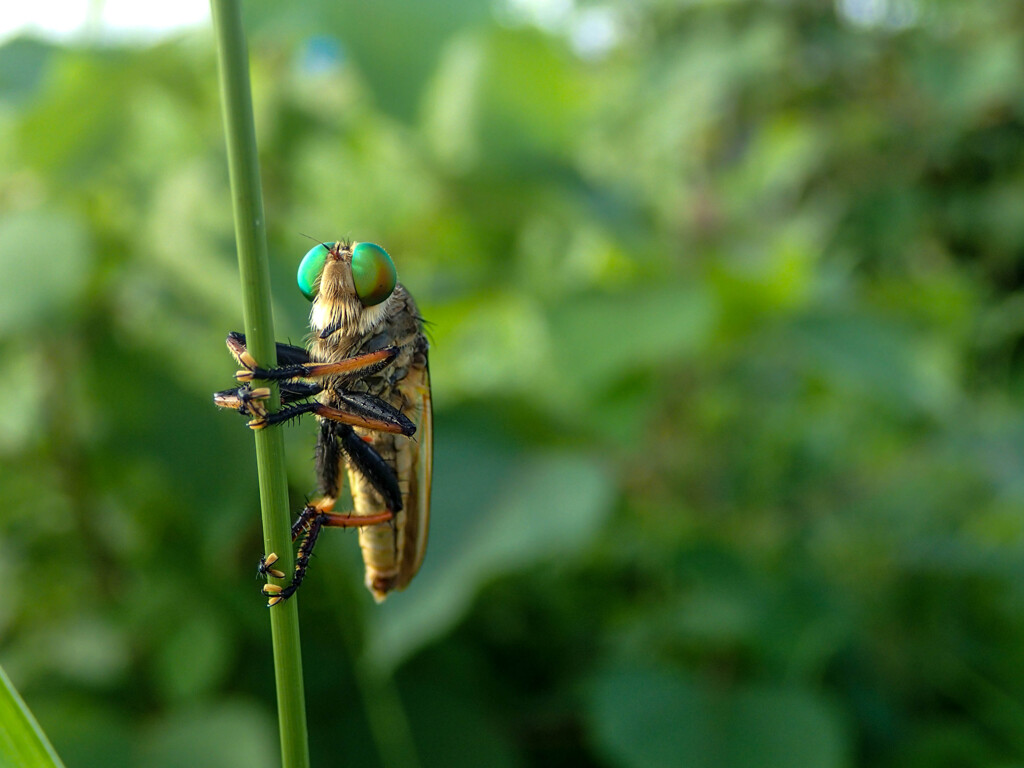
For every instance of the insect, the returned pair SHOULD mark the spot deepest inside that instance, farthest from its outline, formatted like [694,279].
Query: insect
[364,375]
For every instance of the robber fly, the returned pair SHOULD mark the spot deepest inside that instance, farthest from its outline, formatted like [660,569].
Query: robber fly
[364,376]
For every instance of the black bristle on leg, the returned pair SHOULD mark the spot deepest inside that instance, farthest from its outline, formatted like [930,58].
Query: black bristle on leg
[287,414]
[287,354]
[372,467]
[328,455]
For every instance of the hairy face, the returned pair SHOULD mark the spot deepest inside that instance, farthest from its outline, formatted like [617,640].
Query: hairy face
[351,286]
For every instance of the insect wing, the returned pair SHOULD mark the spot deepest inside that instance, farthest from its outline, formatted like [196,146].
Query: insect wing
[417,502]
[393,552]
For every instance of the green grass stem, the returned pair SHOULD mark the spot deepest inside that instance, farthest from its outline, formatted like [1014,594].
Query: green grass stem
[257,312]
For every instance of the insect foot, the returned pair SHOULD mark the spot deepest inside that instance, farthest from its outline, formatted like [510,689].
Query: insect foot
[277,594]
[246,400]
[264,569]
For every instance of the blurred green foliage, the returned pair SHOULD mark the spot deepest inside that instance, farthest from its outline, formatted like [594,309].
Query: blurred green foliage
[727,309]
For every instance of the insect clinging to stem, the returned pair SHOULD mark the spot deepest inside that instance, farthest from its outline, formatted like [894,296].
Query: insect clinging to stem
[364,375]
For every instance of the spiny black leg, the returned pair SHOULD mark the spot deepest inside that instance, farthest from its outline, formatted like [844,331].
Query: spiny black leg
[250,401]
[282,372]
[265,568]
[278,594]
[287,354]
[309,524]
[292,391]
[371,466]
[283,415]
[360,410]
[360,365]
[308,513]
[334,440]
[294,363]
[371,409]
[328,457]
[308,519]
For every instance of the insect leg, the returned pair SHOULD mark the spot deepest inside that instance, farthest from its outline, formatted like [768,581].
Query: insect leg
[249,401]
[309,524]
[362,365]
[360,410]
[336,439]
[312,524]
[287,354]
[293,362]
[370,464]
[328,458]
[333,440]
[244,399]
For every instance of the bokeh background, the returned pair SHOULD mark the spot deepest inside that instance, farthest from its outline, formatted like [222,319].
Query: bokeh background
[727,314]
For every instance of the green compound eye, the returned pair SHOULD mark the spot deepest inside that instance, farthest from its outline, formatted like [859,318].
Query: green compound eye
[373,273]
[310,267]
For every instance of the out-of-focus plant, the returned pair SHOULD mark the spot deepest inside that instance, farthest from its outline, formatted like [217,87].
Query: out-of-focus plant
[725,302]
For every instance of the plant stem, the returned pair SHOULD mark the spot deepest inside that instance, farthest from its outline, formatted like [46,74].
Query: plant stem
[250,233]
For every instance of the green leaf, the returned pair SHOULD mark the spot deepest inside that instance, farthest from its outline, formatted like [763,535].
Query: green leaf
[23,63]
[203,641]
[394,45]
[599,339]
[233,735]
[450,722]
[22,742]
[44,265]
[880,358]
[652,718]
[504,100]
[550,506]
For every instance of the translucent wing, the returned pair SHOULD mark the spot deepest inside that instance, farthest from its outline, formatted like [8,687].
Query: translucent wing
[417,501]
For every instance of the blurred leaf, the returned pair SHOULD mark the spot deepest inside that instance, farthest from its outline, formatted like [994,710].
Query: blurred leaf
[22,742]
[89,650]
[547,507]
[41,284]
[451,725]
[394,44]
[22,370]
[88,732]
[494,344]
[193,659]
[230,735]
[72,126]
[505,100]
[746,275]
[23,63]
[599,339]
[884,360]
[649,717]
